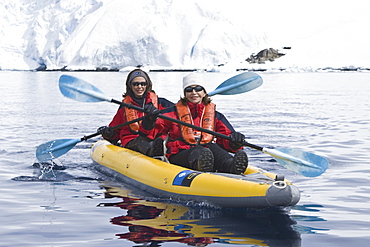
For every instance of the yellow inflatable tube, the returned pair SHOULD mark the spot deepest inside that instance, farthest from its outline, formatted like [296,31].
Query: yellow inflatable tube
[256,188]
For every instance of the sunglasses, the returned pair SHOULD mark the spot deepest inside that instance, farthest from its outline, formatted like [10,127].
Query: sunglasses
[190,89]
[143,84]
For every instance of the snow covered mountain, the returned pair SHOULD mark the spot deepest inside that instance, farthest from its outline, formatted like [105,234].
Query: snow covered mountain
[178,34]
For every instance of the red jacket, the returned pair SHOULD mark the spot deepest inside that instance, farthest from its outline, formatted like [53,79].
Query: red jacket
[175,141]
[125,134]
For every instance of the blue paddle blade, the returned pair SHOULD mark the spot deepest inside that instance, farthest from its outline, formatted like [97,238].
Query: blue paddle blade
[238,84]
[54,149]
[300,162]
[80,90]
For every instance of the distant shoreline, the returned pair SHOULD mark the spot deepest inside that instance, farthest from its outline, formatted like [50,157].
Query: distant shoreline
[326,69]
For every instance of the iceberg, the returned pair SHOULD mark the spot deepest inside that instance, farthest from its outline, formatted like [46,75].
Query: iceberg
[180,35]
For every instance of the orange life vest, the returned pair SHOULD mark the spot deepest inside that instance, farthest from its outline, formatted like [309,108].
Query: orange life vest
[207,122]
[131,114]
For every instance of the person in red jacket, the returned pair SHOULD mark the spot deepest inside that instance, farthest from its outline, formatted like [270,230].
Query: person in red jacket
[139,93]
[194,149]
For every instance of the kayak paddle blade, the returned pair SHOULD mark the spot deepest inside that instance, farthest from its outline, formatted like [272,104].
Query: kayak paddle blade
[300,162]
[54,149]
[238,84]
[80,90]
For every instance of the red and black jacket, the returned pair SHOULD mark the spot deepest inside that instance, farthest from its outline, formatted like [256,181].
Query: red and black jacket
[127,133]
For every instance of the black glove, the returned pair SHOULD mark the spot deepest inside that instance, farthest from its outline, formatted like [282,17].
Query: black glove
[237,140]
[106,132]
[151,115]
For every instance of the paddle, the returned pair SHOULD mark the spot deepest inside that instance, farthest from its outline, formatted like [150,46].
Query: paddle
[304,163]
[241,83]
[80,90]
[54,149]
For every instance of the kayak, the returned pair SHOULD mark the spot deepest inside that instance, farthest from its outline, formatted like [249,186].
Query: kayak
[253,189]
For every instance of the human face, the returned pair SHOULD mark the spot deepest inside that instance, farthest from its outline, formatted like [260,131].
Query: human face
[139,89]
[194,96]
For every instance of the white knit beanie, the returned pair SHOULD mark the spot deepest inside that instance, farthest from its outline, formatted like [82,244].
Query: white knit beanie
[193,79]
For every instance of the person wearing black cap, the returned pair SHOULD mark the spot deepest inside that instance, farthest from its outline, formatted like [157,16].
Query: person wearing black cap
[139,92]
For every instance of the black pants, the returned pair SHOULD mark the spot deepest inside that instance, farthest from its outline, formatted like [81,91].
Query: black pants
[139,145]
[188,157]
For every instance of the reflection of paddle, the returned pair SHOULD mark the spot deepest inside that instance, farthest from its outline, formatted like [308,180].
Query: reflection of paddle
[80,90]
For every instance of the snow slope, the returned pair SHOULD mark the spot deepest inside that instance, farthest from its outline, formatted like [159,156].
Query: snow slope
[177,34]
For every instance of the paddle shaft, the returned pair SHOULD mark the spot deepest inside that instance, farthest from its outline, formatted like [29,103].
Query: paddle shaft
[275,153]
[120,125]
[281,157]
[113,128]
[208,131]
[130,106]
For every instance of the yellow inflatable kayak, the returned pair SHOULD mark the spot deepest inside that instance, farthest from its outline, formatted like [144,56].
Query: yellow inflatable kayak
[254,189]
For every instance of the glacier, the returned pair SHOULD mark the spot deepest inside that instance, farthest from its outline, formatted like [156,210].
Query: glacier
[175,34]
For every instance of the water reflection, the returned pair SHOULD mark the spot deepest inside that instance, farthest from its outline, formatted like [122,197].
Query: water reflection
[52,172]
[300,217]
[157,222]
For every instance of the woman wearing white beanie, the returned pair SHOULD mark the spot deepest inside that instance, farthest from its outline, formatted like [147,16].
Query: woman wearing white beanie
[192,80]
[194,149]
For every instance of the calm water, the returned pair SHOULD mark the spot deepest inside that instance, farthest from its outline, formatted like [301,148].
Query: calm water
[71,204]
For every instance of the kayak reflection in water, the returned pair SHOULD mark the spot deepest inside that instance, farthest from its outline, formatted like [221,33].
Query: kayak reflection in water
[136,211]
[157,222]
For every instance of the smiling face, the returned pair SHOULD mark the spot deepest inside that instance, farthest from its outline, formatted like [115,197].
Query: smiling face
[194,94]
[138,86]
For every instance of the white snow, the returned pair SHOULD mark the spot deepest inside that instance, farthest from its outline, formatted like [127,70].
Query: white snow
[178,34]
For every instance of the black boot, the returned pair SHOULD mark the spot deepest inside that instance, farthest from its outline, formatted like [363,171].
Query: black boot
[240,162]
[205,161]
[156,148]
